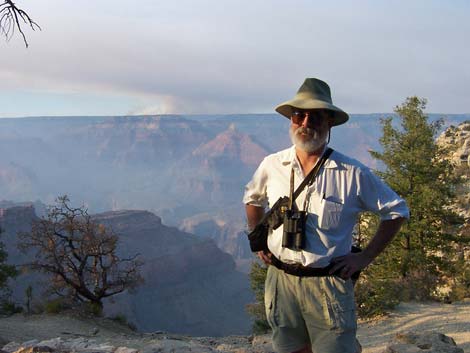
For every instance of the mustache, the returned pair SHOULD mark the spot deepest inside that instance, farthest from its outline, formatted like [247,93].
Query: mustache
[305,131]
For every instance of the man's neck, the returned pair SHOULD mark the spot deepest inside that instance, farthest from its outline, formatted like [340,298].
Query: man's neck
[309,159]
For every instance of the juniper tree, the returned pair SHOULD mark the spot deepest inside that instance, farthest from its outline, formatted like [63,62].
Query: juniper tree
[420,258]
[79,255]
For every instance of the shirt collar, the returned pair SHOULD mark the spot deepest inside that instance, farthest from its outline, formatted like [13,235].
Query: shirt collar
[290,156]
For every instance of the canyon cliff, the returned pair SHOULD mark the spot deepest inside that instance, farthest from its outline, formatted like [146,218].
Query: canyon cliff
[190,287]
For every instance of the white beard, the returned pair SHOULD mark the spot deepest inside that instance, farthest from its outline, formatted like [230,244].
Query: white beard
[310,142]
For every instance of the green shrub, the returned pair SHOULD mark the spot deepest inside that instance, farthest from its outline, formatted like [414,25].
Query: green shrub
[55,306]
[94,309]
[9,308]
[419,286]
[256,309]
[119,318]
[260,327]
[460,284]
[122,320]
[375,298]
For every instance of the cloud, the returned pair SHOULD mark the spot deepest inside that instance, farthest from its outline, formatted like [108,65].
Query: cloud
[224,56]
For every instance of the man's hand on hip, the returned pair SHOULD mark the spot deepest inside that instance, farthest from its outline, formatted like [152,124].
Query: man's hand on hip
[353,262]
[348,264]
[265,257]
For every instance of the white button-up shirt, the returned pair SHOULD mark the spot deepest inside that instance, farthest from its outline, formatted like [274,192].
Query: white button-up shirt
[343,189]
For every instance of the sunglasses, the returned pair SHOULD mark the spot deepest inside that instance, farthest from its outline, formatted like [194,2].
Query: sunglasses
[314,117]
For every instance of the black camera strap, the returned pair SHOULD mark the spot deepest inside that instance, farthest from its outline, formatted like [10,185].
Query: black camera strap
[311,176]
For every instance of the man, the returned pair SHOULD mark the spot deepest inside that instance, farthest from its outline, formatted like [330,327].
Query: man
[308,291]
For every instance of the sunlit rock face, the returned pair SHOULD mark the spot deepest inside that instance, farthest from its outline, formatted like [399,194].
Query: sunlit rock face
[455,141]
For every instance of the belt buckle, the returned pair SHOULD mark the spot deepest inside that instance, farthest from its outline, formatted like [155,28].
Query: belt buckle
[297,269]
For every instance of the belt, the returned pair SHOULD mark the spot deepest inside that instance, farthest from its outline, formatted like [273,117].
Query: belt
[300,270]
[304,271]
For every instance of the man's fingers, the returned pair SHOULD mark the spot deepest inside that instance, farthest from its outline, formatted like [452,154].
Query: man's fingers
[347,272]
[337,266]
[266,258]
[346,265]
[338,259]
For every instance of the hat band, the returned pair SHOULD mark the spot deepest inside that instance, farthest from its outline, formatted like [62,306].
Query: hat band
[309,95]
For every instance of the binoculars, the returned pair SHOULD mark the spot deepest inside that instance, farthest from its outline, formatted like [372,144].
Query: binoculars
[294,230]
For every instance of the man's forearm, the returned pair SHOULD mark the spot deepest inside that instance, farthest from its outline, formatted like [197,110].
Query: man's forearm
[383,236]
[353,262]
[254,214]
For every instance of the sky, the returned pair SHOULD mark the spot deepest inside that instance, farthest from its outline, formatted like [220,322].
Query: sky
[102,57]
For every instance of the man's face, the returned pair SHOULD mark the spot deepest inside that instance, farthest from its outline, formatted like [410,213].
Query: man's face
[309,129]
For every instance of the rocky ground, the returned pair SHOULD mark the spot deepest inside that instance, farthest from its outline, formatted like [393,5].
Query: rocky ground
[450,319]
[73,333]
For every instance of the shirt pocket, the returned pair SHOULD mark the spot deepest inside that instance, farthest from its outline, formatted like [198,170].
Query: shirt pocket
[331,211]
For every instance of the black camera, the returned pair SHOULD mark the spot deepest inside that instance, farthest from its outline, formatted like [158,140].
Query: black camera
[294,230]
[276,214]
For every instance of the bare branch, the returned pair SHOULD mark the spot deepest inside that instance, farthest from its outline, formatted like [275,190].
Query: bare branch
[12,17]
[79,254]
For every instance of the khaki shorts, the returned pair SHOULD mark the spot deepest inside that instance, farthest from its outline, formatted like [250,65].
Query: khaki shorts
[316,311]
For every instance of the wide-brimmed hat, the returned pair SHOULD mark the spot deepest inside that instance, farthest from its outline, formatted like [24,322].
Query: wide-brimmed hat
[313,94]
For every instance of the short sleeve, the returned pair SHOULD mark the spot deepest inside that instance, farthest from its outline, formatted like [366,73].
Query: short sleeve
[255,190]
[376,196]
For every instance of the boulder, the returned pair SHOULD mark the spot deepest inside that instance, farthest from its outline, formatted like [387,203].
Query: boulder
[78,345]
[175,346]
[422,342]
[36,349]
[125,350]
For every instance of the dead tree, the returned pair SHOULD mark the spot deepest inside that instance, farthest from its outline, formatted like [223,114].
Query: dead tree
[12,18]
[79,255]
